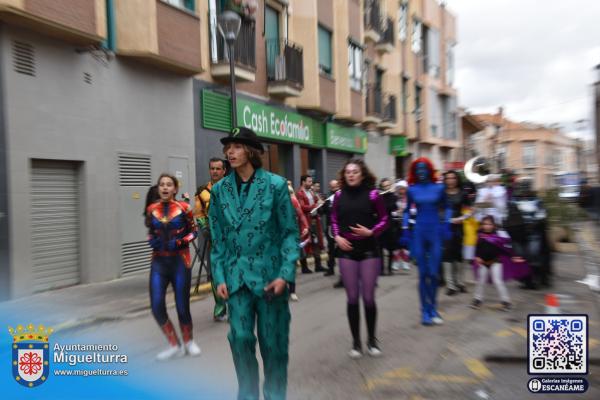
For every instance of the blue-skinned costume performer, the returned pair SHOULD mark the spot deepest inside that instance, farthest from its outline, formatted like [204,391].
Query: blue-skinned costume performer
[171,229]
[428,234]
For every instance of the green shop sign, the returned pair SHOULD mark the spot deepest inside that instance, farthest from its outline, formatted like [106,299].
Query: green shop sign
[279,124]
[339,137]
[276,123]
[398,146]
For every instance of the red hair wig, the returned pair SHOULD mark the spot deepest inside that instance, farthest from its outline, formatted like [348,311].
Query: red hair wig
[412,174]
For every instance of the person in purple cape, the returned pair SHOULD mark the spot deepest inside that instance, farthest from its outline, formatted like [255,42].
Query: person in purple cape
[495,260]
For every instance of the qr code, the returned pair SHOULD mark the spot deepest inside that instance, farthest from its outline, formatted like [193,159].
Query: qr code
[557,344]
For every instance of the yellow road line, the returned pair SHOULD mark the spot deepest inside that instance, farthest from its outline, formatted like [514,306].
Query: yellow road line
[393,377]
[478,368]
[374,382]
[400,373]
[504,333]
[451,378]
[519,330]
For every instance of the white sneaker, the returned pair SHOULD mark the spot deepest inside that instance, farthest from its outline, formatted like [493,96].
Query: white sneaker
[374,351]
[171,352]
[405,266]
[294,297]
[396,266]
[437,320]
[192,349]
[355,354]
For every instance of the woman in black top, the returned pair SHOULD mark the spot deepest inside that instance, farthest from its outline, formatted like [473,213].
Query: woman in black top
[358,217]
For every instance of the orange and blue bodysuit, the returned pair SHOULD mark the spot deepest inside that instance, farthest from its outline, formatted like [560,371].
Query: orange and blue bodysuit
[171,229]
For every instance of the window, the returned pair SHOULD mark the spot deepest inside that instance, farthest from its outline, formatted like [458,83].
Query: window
[450,63]
[450,118]
[272,39]
[417,36]
[355,65]
[325,59]
[404,95]
[403,20]
[502,151]
[435,113]
[433,52]
[418,114]
[529,154]
[186,4]
[550,155]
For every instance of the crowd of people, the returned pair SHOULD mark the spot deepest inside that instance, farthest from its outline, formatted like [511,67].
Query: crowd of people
[258,228]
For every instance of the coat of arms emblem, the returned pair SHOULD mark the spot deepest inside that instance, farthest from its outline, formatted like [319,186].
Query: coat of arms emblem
[30,354]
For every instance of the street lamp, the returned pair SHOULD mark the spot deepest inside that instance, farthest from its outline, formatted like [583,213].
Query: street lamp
[229,27]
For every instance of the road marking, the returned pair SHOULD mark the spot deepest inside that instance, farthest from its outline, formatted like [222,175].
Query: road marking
[504,333]
[400,373]
[406,373]
[519,330]
[478,368]
[455,317]
[452,378]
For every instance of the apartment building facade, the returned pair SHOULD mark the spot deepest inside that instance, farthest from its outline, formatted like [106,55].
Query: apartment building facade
[527,149]
[96,102]
[288,70]
[366,78]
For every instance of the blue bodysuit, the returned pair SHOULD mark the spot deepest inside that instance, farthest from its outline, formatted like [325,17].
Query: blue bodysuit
[427,240]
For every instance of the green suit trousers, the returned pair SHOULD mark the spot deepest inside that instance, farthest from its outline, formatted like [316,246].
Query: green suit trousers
[272,320]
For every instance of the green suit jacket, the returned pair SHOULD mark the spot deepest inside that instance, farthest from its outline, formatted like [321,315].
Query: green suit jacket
[255,242]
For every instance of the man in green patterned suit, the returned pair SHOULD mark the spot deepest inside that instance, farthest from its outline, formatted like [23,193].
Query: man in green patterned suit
[254,253]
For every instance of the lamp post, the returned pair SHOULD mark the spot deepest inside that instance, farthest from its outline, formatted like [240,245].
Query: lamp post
[229,27]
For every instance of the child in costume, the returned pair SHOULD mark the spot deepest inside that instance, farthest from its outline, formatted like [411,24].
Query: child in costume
[495,260]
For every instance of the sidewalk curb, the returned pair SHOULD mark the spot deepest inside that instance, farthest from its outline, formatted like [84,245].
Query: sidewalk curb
[74,324]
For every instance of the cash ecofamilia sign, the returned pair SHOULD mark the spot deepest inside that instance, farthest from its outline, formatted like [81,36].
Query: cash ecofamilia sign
[275,123]
[279,124]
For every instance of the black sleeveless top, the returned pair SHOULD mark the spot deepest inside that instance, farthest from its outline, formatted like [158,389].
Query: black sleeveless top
[355,207]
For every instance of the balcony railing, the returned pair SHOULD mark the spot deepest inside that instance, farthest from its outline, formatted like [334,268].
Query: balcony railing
[372,16]
[389,109]
[387,32]
[374,102]
[284,62]
[245,46]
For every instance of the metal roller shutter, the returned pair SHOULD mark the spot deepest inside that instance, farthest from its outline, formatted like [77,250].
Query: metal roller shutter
[55,224]
[335,162]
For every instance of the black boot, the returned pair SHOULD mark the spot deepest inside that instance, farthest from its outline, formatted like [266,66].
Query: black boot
[318,267]
[371,317]
[305,269]
[372,344]
[353,311]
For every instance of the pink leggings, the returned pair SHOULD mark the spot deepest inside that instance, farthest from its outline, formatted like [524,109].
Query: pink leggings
[360,277]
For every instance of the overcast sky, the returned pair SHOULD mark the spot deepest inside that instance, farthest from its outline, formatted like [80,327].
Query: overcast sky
[535,58]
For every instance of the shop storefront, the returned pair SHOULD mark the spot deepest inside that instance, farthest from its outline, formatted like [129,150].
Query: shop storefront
[342,143]
[295,144]
[399,149]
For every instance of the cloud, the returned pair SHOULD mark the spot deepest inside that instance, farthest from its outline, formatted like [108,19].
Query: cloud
[534,58]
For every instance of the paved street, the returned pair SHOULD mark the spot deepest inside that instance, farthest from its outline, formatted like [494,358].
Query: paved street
[475,355]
